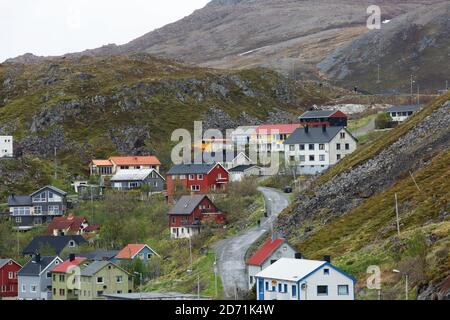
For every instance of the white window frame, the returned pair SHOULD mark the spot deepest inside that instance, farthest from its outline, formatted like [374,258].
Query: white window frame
[98,282]
[343,285]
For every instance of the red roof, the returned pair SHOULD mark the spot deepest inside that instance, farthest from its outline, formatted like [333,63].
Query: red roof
[280,128]
[265,251]
[64,267]
[63,223]
[130,251]
[91,228]
[136,160]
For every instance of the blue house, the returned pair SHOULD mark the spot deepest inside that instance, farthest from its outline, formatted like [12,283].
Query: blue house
[35,280]
[136,251]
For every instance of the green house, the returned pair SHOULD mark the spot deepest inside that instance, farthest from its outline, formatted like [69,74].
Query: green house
[103,277]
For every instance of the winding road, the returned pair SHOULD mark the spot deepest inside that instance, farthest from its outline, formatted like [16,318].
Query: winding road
[231,252]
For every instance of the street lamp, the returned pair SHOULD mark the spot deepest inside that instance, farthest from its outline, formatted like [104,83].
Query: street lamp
[140,288]
[406,282]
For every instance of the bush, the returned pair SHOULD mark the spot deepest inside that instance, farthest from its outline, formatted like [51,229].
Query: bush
[383,121]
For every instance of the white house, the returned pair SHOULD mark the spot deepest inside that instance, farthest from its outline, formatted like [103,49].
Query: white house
[301,279]
[6,146]
[313,150]
[270,252]
[402,113]
[238,173]
[271,137]
[227,158]
[243,134]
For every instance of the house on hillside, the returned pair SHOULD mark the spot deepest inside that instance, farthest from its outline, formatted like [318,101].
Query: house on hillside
[240,172]
[6,147]
[402,113]
[329,118]
[103,277]
[301,279]
[227,158]
[35,280]
[70,225]
[113,165]
[8,278]
[135,179]
[55,244]
[186,217]
[313,150]
[242,135]
[40,207]
[139,251]
[271,137]
[65,284]
[197,178]
[270,252]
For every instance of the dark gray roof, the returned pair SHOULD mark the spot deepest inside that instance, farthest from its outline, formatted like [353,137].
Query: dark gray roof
[19,201]
[186,204]
[191,169]
[32,268]
[412,108]
[314,135]
[51,188]
[99,255]
[242,168]
[57,243]
[94,267]
[317,114]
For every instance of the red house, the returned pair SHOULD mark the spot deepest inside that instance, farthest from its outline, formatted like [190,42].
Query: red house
[330,118]
[186,217]
[198,178]
[8,277]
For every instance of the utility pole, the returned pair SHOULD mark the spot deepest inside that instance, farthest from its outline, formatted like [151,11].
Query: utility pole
[411,97]
[56,166]
[397,215]
[418,95]
[406,286]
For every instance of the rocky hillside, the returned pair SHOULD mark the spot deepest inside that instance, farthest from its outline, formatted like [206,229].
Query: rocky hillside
[291,36]
[349,211]
[92,107]
[416,43]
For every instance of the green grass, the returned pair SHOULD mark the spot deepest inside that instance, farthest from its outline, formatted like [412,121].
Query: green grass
[356,124]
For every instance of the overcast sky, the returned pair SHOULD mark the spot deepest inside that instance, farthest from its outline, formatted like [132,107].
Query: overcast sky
[55,27]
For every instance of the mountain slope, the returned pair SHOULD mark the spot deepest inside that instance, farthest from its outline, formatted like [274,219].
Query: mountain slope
[417,43]
[349,211]
[97,106]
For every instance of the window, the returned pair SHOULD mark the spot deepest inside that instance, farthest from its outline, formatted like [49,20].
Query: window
[322,157]
[285,288]
[38,210]
[343,290]
[311,146]
[200,177]
[54,277]
[183,177]
[347,146]
[18,220]
[322,290]
[294,290]
[10,275]
[119,279]
[321,146]
[302,158]
[338,157]
[40,197]
[149,255]
[62,292]
[338,146]
[191,177]
[251,279]
[24,288]
[99,280]
[49,275]
[53,209]
[54,291]
[311,158]
[291,147]
[326,271]
[302,147]
[394,114]
[62,278]
[119,291]
[342,135]
[195,188]
[292,158]
[32,288]
[71,244]
[280,288]
[267,286]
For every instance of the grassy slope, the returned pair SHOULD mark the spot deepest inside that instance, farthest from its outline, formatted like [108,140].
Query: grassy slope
[367,234]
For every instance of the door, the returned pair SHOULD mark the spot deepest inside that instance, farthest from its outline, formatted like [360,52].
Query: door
[260,289]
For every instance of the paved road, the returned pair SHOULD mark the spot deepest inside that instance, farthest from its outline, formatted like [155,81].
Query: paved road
[364,130]
[231,252]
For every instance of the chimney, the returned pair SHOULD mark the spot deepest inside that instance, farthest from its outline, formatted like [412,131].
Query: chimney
[298,256]
[327,259]
[72,257]
[306,129]
[324,128]
[37,258]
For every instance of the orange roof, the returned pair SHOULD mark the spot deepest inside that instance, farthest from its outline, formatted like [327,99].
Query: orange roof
[101,163]
[64,267]
[280,128]
[136,160]
[130,251]
[265,251]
